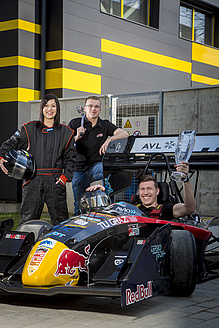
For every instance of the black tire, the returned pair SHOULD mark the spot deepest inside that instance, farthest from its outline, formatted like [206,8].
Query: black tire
[38,227]
[183,263]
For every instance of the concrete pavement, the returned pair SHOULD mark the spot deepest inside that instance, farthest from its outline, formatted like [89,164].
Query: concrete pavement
[200,310]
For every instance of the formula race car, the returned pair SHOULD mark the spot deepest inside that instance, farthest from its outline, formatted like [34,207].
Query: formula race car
[110,249]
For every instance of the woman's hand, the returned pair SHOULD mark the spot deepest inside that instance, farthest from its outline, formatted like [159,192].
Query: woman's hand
[2,161]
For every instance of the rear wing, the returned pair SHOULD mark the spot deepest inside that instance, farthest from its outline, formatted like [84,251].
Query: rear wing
[124,157]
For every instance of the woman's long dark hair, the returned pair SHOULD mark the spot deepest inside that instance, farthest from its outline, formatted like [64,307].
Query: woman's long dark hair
[44,101]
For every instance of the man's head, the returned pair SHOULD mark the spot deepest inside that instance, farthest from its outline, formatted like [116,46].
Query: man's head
[92,107]
[148,190]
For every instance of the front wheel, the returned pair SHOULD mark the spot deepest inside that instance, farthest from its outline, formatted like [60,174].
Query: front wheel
[183,263]
[38,227]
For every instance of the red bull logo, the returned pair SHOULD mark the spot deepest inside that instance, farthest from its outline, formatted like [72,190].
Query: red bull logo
[141,293]
[70,260]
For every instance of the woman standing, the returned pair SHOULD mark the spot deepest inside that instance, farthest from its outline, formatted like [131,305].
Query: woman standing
[52,146]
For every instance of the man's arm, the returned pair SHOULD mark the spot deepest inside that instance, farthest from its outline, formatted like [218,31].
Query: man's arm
[188,207]
[118,134]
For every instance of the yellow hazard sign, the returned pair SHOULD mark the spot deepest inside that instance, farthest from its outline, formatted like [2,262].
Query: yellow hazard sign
[127,124]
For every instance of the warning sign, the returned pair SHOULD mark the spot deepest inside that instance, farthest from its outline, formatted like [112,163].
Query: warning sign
[130,123]
[127,125]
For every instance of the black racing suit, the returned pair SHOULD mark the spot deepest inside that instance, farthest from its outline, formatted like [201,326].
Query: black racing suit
[54,152]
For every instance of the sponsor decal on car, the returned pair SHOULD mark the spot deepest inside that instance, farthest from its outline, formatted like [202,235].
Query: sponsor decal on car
[14,236]
[81,222]
[119,259]
[49,243]
[141,293]
[37,259]
[134,230]
[116,221]
[157,250]
[69,261]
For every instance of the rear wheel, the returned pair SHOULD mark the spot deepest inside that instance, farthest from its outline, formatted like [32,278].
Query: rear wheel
[183,263]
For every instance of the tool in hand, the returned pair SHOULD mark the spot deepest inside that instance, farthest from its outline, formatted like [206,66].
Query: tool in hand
[80,110]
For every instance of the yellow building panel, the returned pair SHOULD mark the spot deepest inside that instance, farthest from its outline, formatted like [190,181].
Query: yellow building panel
[73,80]
[19,61]
[29,62]
[74,57]
[145,56]
[204,79]
[18,94]
[205,55]
[20,24]
[54,78]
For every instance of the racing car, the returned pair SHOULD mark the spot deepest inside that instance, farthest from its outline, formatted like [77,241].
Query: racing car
[110,250]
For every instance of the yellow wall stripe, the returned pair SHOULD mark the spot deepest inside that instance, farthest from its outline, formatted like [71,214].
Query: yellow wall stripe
[20,61]
[204,79]
[205,55]
[145,56]
[65,78]
[18,94]
[20,24]
[74,57]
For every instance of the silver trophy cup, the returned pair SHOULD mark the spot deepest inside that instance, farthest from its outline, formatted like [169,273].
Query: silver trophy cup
[183,151]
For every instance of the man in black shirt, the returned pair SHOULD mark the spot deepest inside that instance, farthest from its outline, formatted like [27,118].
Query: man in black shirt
[148,192]
[91,143]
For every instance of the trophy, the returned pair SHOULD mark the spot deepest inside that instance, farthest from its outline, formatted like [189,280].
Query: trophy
[183,151]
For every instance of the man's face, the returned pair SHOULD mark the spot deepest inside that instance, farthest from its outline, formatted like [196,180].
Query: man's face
[148,193]
[92,109]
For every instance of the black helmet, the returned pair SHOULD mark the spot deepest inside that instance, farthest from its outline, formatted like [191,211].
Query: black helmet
[20,164]
[92,201]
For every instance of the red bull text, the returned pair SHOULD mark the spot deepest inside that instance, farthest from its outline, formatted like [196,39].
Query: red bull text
[141,293]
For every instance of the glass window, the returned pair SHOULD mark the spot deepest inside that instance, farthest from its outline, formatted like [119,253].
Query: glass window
[136,10]
[185,30]
[111,7]
[145,12]
[203,28]
[196,24]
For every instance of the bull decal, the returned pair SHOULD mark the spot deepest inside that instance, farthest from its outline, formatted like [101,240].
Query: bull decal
[70,260]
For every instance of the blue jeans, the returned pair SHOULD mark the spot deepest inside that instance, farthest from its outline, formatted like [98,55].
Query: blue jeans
[82,180]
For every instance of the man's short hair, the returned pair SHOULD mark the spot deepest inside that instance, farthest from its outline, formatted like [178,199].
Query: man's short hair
[146,178]
[94,98]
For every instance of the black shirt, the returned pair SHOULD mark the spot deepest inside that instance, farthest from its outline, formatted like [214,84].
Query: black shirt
[88,146]
[166,212]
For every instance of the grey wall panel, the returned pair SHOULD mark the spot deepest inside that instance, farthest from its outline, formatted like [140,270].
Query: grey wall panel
[24,113]
[81,43]
[206,70]
[121,86]
[143,73]
[81,67]
[26,77]
[26,10]
[26,46]
[169,21]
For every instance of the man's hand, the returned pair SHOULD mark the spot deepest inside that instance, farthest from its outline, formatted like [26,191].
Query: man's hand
[95,187]
[104,146]
[2,161]
[80,132]
[182,167]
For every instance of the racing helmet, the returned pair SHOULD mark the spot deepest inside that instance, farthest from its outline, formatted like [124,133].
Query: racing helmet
[20,164]
[93,201]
